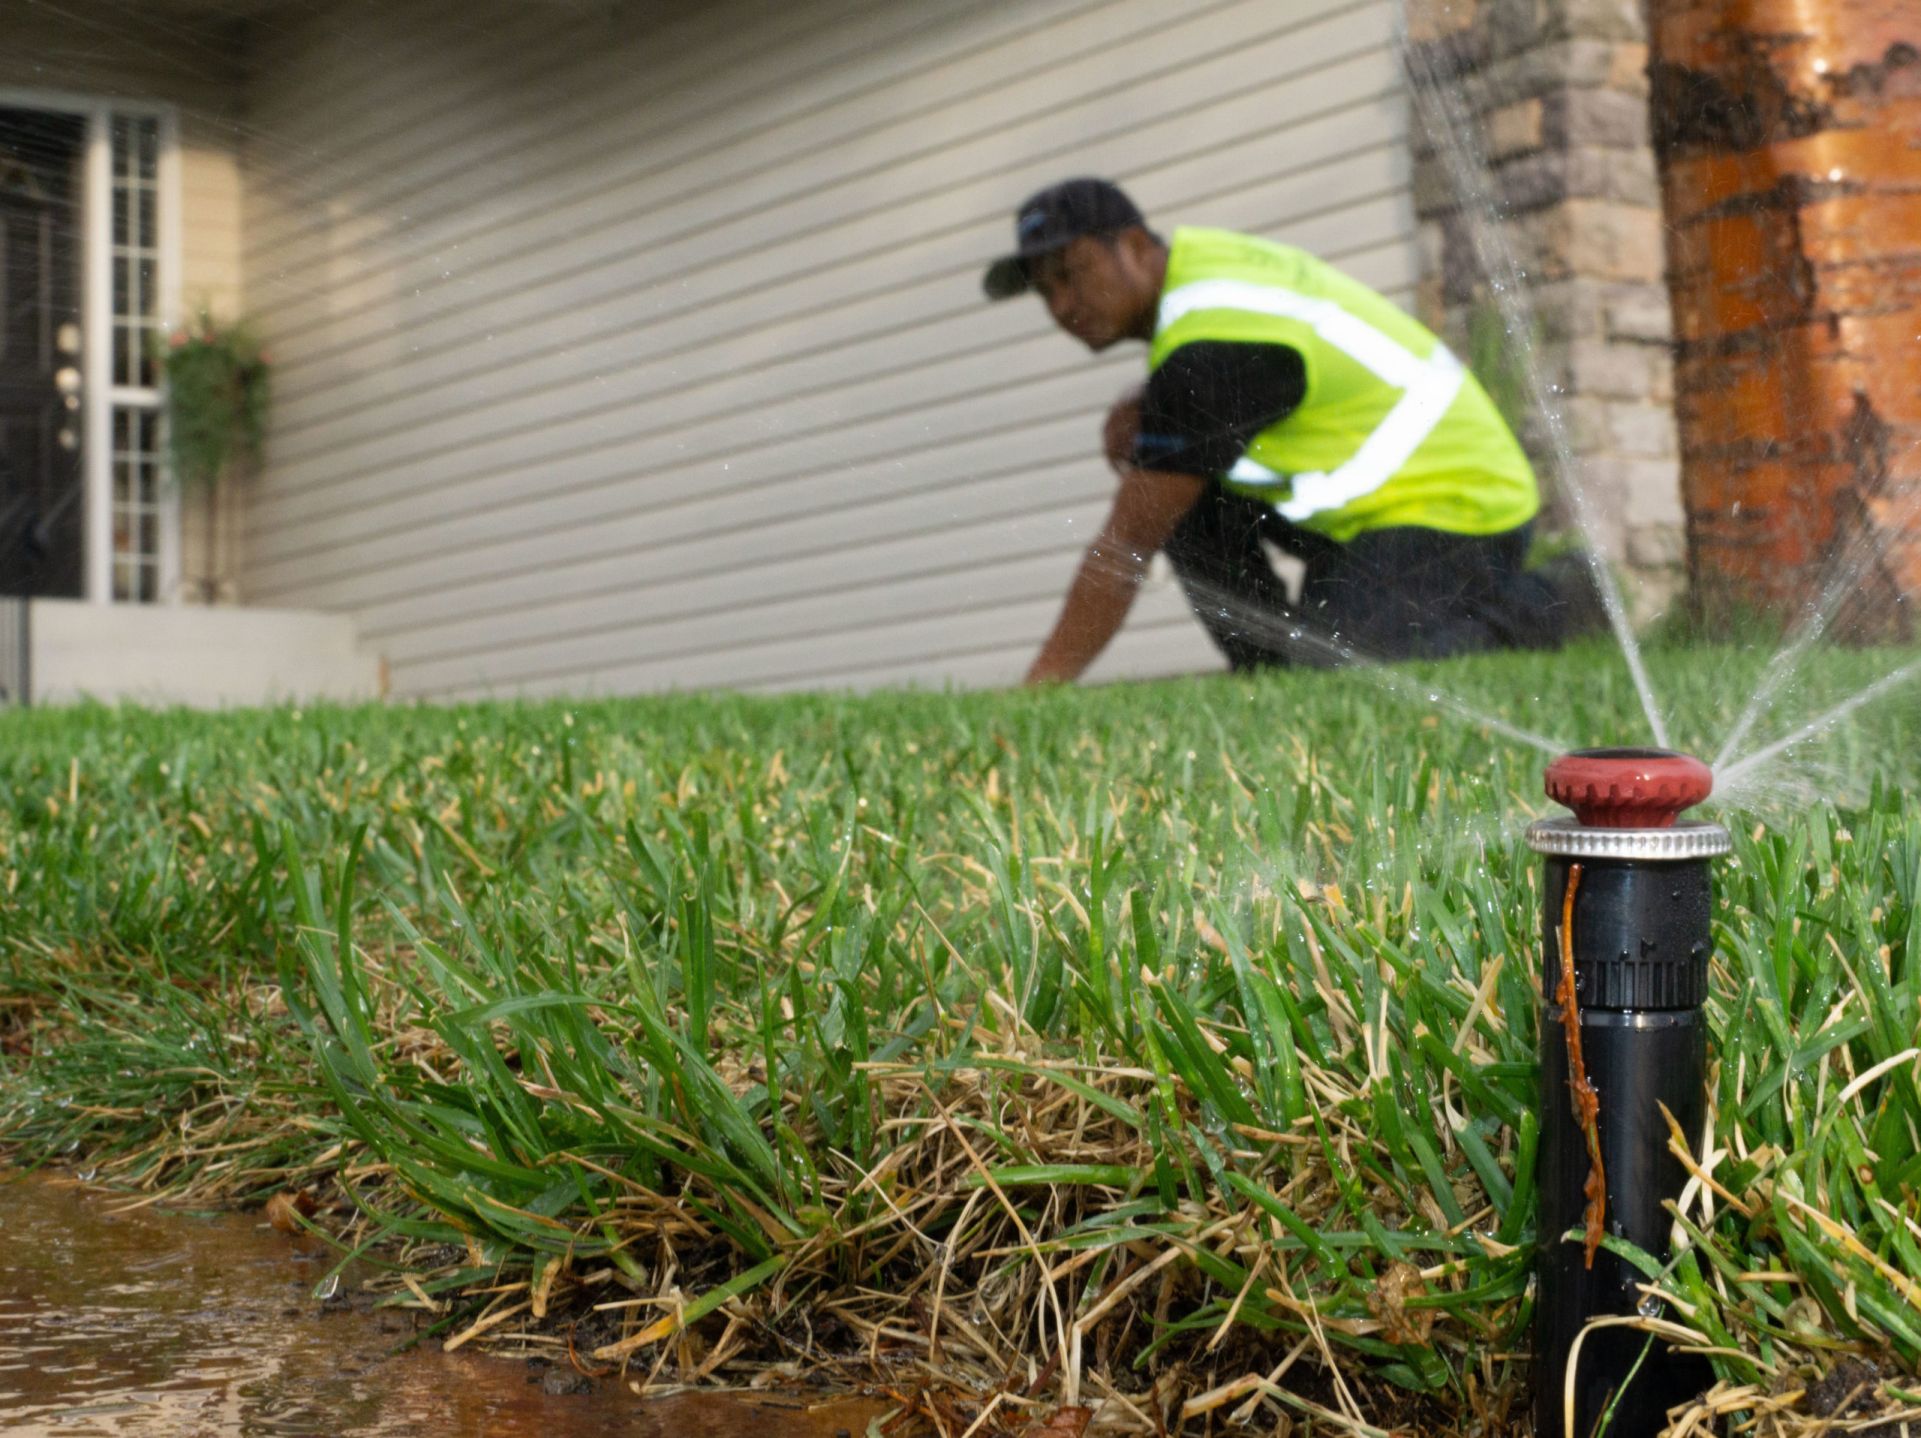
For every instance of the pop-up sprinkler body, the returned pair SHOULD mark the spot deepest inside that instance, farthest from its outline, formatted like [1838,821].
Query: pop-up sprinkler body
[1626,918]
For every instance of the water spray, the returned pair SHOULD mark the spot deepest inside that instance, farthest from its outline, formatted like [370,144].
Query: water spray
[1625,946]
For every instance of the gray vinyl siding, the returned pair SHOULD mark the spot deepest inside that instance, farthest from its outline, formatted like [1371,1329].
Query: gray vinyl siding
[638,347]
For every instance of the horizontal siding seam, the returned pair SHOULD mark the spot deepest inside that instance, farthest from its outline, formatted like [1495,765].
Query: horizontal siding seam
[319,354]
[639,327]
[744,487]
[746,408]
[637,593]
[816,675]
[696,84]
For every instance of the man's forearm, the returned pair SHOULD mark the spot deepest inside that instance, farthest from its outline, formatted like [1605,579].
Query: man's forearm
[1096,606]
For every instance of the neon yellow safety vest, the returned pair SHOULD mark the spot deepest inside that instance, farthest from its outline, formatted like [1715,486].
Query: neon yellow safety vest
[1392,431]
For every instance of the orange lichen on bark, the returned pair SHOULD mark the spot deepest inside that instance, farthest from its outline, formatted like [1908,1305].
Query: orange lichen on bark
[1587,1103]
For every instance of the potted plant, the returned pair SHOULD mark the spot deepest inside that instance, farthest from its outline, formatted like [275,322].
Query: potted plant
[217,391]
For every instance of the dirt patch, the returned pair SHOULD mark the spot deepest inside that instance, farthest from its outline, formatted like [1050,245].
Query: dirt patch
[1851,1390]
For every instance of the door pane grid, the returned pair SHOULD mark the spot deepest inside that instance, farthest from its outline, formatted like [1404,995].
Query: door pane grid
[136,504]
[138,464]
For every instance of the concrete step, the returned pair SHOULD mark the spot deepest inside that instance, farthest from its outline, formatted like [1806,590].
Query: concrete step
[198,656]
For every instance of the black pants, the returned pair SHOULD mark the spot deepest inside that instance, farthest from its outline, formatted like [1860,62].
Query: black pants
[1388,594]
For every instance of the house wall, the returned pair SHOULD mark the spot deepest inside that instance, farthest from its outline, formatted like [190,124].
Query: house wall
[626,346]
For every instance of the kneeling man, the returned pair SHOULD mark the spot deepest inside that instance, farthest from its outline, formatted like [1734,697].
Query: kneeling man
[1284,404]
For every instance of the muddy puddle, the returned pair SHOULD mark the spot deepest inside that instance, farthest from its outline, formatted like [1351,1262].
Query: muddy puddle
[151,1323]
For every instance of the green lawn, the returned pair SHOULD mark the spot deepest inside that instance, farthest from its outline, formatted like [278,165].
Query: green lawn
[1139,1042]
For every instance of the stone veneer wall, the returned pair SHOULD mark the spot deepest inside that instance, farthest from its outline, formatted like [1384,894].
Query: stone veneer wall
[1556,93]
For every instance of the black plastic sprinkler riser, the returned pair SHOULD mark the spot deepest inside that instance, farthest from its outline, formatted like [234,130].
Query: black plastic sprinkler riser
[1638,1057]
[1640,942]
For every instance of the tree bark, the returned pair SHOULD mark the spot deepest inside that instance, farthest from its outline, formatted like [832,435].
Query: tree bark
[1788,134]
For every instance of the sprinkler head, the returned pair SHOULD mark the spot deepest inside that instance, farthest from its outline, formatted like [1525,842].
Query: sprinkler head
[1628,788]
[1627,907]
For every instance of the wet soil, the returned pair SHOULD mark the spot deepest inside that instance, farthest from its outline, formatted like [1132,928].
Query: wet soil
[141,1322]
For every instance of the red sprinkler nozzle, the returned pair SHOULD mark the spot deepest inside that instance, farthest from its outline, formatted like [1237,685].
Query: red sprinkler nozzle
[1628,788]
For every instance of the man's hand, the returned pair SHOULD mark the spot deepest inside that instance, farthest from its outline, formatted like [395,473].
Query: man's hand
[1122,428]
[1146,510]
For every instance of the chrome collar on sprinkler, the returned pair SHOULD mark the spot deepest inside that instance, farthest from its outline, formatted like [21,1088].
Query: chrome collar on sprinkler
[1626,939]
[1627,805]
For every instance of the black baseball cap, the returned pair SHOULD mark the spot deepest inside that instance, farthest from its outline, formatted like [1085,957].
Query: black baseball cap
[1048,220]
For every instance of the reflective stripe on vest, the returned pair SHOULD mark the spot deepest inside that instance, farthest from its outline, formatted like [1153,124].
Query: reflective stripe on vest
[1428,389]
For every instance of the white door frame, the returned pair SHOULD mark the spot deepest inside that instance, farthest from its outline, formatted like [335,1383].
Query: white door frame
[99,394]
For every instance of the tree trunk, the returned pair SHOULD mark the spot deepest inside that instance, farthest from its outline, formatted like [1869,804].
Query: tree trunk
[1788,134]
